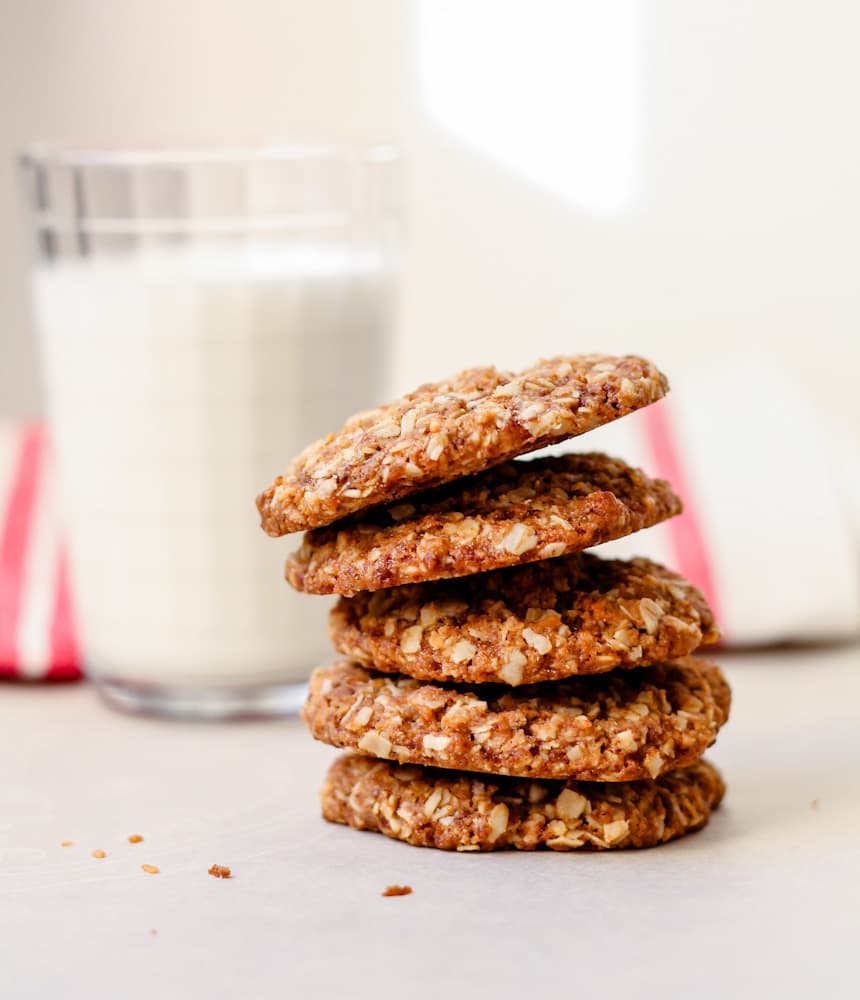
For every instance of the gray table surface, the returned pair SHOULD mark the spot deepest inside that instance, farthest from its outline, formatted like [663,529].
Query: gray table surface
[761,903]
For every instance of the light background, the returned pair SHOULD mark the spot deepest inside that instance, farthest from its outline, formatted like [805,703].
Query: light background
[739,234]
[733,247]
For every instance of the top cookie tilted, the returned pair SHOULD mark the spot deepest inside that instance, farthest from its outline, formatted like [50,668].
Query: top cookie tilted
[445,430]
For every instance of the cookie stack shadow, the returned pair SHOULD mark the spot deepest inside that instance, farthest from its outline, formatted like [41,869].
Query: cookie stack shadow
[501,687]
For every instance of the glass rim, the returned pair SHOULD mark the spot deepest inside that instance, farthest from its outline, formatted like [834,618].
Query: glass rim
[167,156]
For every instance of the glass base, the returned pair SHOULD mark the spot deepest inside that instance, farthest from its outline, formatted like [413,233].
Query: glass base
[206,704]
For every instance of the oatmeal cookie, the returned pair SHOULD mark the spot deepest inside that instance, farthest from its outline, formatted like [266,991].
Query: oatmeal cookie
[445,430]
[577,614]
[517,512]
[455,811]
[614,727]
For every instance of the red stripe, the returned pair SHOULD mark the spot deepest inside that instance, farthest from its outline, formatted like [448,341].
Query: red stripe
[65,649]
[13,545]
[688,541]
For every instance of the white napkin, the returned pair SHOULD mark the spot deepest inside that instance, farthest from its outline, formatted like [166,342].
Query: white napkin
[771,529]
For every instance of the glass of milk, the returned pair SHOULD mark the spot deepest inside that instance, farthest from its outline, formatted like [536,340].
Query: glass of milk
[202,317]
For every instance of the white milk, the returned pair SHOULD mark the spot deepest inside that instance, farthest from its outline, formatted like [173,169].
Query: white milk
[179,386]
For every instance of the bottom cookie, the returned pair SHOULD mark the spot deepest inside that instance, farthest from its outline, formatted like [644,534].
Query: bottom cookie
[458,811]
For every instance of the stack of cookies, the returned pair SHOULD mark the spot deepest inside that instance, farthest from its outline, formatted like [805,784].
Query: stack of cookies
[501,687]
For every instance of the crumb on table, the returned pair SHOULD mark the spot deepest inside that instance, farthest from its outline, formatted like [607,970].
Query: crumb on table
[135,838]
[220,871]
[397,890]
[99,854]
[67,843]
[151,869]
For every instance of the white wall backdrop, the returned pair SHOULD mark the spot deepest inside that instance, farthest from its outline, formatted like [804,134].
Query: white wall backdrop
[140,72]
[731,230]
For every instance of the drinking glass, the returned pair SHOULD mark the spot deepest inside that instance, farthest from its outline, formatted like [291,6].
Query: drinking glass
[202,316]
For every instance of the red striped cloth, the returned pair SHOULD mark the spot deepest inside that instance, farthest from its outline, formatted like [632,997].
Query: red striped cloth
[769,531]
[38,640]
[691,557]
[770,525]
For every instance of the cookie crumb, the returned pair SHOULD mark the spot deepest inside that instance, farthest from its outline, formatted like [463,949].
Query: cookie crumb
[397,890]
[135,838]
[813,804]
[151,869]
[220,871]
[99,854]
[67,843]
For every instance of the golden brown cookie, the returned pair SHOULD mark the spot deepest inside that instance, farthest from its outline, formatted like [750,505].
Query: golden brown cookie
[614,727]
[445,430]
[578,614]
[518,512]
[455,811]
